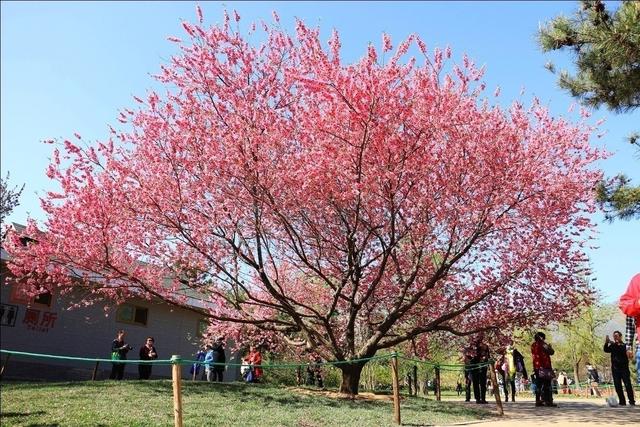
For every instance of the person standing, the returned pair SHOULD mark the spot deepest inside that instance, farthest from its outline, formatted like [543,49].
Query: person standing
[195,368]
[218,358]
[483,352]
[470,373]
[319,377]
[255,359]
[515,365]
[119,350]
[147,352]
[630,305]
[208,358]
[620,367]
[594,379]
[502,371]
[562,382]
[541,353]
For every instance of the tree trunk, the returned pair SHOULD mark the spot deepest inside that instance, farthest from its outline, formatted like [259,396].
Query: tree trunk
[576,375]
[350,378]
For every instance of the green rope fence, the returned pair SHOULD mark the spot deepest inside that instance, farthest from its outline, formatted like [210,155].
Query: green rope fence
[193,362]
[581,386]
[448,366]
[84,359]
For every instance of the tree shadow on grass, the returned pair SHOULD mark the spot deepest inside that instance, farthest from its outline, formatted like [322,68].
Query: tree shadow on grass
[21,414]
[265,394]
[449,408]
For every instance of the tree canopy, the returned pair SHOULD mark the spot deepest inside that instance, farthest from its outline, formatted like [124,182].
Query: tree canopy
[340,207]
[606,48]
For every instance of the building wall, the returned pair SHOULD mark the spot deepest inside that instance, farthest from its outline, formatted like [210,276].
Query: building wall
[88,332]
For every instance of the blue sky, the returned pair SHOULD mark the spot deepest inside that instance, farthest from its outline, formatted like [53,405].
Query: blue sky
[71,66]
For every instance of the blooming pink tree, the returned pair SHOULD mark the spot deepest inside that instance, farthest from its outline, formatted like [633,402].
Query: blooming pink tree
[343,208]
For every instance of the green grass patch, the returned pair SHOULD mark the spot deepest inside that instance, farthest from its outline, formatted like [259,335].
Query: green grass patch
[150,403]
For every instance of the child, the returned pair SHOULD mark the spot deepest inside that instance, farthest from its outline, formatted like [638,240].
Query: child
[208,358]
[195,368]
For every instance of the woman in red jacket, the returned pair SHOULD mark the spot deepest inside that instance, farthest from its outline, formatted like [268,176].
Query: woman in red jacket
[630,305]
[541,353]
[255,359]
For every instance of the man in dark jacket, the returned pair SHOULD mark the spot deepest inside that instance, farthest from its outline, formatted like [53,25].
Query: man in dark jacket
[471,373]
[483,354]
[620,367]
[475,358]
[219,359]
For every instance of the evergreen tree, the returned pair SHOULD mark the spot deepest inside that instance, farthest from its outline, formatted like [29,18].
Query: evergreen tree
[606,46]
[9,198]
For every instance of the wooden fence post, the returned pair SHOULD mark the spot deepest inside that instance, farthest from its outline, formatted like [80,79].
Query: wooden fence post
[177,390]
[4,366]
[415,380]
[95,372]
[396,388]
[494,386]
[437,380]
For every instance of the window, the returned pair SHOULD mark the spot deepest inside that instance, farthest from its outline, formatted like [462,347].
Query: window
[43,299]
[128,313]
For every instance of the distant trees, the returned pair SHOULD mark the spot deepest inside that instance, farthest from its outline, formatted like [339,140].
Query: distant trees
[580,341]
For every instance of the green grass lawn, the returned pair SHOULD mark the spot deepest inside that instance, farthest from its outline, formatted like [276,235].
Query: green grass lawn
[150,403]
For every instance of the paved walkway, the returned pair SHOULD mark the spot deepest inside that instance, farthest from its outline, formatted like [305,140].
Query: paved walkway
[570,412]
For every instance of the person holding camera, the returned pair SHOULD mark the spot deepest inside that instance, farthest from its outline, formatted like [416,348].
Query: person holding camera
[147,352]
[620,367]
[119,350]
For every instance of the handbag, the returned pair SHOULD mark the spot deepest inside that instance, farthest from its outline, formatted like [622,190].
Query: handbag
[115,355]
[546,374]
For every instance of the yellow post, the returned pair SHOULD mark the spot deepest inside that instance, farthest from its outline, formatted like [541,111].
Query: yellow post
[396,388]
[494,386]
[177,390]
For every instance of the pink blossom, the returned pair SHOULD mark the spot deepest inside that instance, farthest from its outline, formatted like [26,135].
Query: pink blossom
[309,202]
[386,43]
[199,13]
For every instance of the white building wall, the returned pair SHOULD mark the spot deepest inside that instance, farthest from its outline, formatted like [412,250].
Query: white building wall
[88,332]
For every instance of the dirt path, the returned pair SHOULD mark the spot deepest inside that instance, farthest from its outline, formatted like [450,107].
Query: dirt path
[570,412]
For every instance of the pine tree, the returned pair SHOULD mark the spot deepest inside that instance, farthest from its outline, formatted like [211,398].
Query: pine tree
[606,46]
